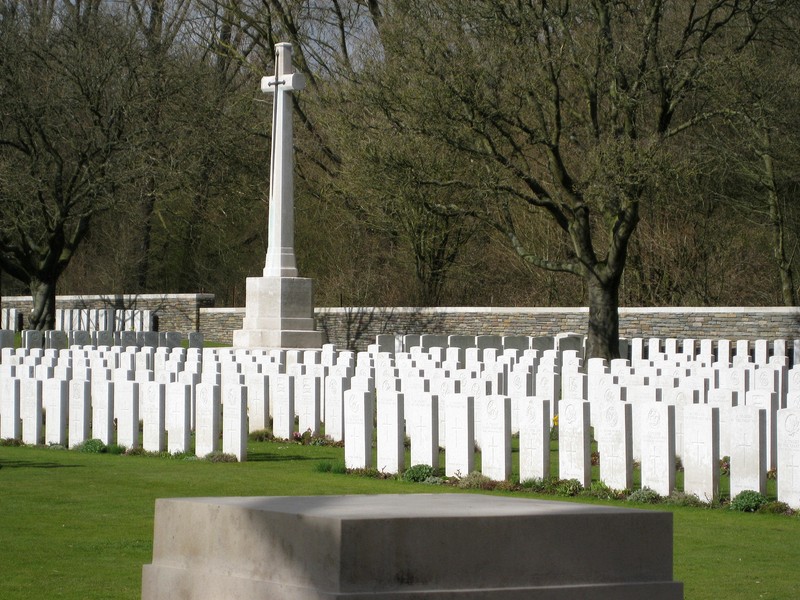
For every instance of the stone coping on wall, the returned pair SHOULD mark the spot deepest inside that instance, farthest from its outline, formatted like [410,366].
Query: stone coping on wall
[522,310]
[111,298]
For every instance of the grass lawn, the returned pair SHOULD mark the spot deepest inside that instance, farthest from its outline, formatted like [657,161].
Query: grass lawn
[76,525]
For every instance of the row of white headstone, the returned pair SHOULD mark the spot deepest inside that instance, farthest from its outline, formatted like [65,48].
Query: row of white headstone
[87,319]
[649,410]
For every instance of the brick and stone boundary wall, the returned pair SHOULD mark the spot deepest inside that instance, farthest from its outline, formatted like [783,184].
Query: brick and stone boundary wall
[174,312]
[356,328]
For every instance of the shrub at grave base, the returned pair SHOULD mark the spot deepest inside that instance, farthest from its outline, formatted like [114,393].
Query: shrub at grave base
[748,501]
[569,487]
[435,480]
[677,498]
[11,442]
[371,472]
[598,489]
[261,435]
[645,496]
[541,486]
[776,508]
[329,466]
[93,446]
[475,481]
[220,457]
[418,473]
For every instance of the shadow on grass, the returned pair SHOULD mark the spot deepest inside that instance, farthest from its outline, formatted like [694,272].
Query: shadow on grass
[29,464]
[269,457]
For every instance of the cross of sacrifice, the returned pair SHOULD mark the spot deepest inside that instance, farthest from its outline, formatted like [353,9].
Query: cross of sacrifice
[280,235]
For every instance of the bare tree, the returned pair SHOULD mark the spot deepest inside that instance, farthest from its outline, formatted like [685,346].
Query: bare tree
[65,92]
[563,107]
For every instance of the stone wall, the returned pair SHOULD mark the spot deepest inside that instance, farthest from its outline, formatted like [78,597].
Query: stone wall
[357,327]
[174,312]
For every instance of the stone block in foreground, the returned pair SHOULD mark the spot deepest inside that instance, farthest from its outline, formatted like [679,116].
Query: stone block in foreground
[406,547]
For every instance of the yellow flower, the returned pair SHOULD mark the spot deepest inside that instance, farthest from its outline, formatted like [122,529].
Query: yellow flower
[555,420]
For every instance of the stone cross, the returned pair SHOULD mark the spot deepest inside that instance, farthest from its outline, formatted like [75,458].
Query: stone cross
[280,234]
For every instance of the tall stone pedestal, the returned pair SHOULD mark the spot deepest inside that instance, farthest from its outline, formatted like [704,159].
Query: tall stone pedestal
[279,314]
[407,547]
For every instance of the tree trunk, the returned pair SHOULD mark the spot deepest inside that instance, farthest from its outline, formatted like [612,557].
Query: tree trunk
[603,335]
[777,227]
[43,314]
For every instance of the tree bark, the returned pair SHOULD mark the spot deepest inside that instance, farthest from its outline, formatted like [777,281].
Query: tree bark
[777,227]
[603,332]
[43,314]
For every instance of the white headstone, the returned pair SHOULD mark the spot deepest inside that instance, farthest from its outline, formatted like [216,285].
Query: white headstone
[30,410]
[234,421]
[614,430]
[769,402]
[208,405]
[153,399]
[459,434]
[701,451]
[282,395]
[307,403]
[102,410]
[178,418]
[496,437]
[358,427]
[10,423]
[657,426]
[423,429]
[574,442]
[126,407]
[80,411]
[391,432]
[789,456]
[748,450]
[534,438]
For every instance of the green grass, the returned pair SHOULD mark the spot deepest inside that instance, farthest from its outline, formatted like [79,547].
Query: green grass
[76,525]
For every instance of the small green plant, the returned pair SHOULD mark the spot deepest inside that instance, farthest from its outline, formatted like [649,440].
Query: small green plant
[11,442]
[331,466]
[725,465]
[435,480]
[539,485]
[507,486]
[476,481]
[645,495]
[776,508]
[772,474]
[220,457]
[371,472]
[261,435]
[115,449]
[93,446]
[748,501]
[599,489]
[677,498]
[418,473]
[568,487]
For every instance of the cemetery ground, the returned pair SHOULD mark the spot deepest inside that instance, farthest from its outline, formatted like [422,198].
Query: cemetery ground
[80,525]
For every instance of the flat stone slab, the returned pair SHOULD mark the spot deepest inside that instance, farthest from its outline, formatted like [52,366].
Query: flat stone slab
[404,547]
